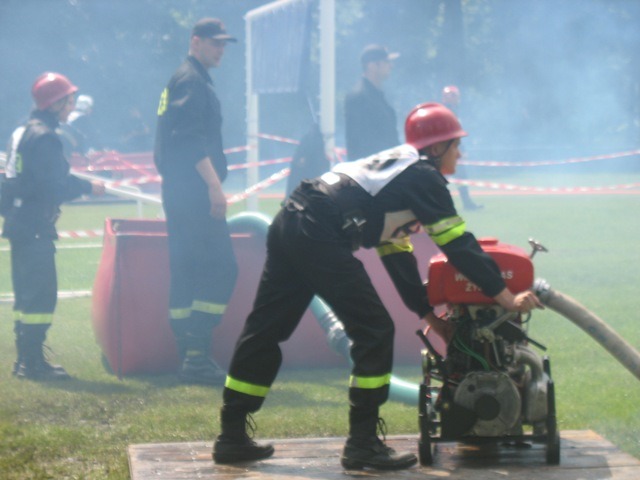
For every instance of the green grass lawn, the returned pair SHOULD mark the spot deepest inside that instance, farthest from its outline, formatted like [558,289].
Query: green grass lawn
[81,428]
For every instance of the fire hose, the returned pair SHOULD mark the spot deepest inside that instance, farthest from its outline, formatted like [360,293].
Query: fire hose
[591,324]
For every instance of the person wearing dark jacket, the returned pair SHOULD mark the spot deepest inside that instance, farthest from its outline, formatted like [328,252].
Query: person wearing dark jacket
[376,202]
[370,122]
[37,182]
[190,158]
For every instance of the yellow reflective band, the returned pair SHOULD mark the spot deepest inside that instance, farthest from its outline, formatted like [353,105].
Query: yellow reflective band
[179,313]
[17,315]
[369,382]
[206,307]
[37,318]
[395,246]
[164,102]
[247,388]
[446,230]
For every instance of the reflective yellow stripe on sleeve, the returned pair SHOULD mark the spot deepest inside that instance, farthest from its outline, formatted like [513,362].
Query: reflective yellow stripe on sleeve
[369,382]
[179,313]
[208,307]
[245,387]
[395,246]
[446,230]
[37,318]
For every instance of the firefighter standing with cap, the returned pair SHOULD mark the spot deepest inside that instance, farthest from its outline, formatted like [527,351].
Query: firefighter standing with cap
[37,183]
[370,122]
[375,202]
[190,159]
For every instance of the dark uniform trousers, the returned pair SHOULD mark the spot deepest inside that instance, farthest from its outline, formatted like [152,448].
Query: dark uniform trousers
[35,286]
[203,270]
[309,256]
[33,273]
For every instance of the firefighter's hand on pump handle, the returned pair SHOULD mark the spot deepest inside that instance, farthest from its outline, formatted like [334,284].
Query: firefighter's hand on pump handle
[523,302]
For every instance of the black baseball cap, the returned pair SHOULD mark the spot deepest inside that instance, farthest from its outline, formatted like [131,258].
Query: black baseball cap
[376,53]
[211,28]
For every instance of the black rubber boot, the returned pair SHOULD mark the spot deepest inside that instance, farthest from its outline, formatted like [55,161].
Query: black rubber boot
[33,364]
[193,340]
[198,369]
[234,444]
[365,450]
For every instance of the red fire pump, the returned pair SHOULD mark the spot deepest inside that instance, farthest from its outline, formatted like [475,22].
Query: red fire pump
[487,385]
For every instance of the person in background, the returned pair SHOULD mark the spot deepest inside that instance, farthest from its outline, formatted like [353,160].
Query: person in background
[136,135]
[376,202]
[37,183]
[80,134]
[370,122]
[189,157]
[451,99]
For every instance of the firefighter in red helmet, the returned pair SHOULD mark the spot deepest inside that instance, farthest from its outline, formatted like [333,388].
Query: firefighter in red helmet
[36,183]
[375,202]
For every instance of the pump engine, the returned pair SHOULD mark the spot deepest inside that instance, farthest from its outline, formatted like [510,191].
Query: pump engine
[488,384]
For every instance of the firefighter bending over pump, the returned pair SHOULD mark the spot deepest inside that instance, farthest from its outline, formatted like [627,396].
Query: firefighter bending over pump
[375,202]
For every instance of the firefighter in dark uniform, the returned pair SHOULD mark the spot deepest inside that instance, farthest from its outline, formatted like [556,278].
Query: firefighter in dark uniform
[37,183]
[190,159]
[375,202]
[370,122]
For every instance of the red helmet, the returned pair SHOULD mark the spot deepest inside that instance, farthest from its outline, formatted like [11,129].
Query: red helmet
[49,88]
[431,123]
[451,95]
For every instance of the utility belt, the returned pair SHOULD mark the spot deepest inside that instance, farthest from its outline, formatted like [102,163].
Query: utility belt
[352,219]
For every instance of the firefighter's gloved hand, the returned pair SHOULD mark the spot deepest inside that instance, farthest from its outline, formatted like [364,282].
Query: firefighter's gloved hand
[443,327]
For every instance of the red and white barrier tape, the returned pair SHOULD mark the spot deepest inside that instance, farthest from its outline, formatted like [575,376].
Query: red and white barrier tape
[81,234]
[259,164]
[275,178]
[479,163]
[278,139]
[522,188]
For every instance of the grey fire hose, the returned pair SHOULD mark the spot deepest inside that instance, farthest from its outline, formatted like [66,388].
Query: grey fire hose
[590,323]
[400,390]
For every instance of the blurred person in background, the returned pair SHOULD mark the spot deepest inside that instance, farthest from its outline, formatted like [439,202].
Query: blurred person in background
[37,183]
[136,134]
[451,99]
[80,134]
[370,122]
[189,157]
[376,202]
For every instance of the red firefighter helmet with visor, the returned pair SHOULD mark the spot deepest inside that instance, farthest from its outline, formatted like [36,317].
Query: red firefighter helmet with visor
[431,123]
[49,88]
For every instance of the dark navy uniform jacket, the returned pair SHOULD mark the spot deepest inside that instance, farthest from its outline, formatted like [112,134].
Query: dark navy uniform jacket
[390,196]
[370,122]
[38,180]
[189,129]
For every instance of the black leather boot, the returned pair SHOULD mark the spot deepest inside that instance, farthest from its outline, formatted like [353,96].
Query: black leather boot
[33,362]
[364,449]
[234,444]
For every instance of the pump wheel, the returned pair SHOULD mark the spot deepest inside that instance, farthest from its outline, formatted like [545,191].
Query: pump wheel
[425,451]
[553,436]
